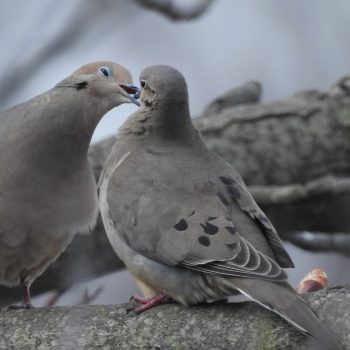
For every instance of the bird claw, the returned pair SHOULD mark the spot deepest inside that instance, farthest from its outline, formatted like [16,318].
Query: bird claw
[139,299]
[20,307]
[150,303]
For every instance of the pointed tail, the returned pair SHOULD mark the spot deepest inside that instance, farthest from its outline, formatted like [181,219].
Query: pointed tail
[284,301]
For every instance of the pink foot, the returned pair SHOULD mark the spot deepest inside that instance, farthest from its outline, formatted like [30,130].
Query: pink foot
[149,304]
[139,299]
[20,307]
[26,298]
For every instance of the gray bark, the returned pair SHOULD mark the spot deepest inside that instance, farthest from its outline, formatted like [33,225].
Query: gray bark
[250,92]
[294,154]
[172,326]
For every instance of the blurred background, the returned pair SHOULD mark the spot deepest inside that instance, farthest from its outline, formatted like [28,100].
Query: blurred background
[286,45]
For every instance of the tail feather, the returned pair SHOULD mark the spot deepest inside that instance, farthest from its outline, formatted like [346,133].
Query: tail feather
[284,301]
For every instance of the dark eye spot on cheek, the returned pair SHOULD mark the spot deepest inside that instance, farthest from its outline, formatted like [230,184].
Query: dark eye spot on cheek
[204,241]
[81,85]
[181,225]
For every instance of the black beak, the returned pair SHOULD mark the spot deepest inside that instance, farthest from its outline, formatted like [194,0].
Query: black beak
[131,89]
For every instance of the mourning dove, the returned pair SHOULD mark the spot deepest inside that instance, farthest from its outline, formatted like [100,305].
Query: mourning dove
[183,221]
[47,189]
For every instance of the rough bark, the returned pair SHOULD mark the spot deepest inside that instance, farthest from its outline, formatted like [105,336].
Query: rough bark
[294,154]
[220,326]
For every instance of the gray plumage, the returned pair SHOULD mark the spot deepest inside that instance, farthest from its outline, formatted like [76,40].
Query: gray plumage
[47,189]
[181,217]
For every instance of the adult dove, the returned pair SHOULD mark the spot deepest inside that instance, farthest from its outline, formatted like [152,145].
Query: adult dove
[183,221]
[47,188]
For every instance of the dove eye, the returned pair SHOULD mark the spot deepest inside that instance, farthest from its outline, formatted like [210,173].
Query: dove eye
[106,71]
[143,84]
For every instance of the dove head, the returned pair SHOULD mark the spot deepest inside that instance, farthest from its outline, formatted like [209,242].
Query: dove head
[164,88]
[107,83]
[164,111]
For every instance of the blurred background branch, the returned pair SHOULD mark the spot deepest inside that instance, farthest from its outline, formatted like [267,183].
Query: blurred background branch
[177,10]
[321,241]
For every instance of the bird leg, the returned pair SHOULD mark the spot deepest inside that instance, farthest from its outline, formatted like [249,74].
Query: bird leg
[139,299]
[150,303]
[27,304]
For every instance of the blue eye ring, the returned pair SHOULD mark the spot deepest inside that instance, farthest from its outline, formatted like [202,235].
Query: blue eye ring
[106,72]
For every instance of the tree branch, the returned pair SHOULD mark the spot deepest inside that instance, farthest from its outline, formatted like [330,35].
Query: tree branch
[249,92]
[277,195]
[172,326]
[321,241]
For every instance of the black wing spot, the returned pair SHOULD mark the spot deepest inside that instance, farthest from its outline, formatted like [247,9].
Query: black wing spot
[181,225]
[226,180]
[193,212]
[223,199]
[234,192]
[204,241]
[210,218]
[231,229]
[210,229]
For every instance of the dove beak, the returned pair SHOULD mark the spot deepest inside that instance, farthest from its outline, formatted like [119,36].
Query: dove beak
[133,92]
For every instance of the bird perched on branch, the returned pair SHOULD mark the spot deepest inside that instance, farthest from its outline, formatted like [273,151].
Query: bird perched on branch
[182,219]
[47,188]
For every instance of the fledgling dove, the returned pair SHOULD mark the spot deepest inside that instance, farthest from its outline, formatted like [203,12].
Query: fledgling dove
[182,219]
[47,189]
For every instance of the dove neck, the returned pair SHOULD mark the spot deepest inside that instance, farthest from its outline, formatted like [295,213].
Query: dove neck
[77,120]
[168,122]
[65,128]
